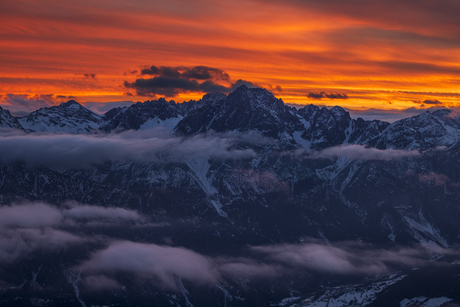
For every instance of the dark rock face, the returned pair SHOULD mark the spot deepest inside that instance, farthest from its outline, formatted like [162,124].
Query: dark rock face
[217,208]
[8,121]
[257,110]
[199,115]
[134,116]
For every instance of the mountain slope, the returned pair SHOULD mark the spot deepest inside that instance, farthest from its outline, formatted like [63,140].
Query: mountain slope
[149,114]
[68,117]
[285,195]
[8,121]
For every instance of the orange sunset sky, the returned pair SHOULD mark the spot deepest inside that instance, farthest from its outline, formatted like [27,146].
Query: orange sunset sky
[393,55]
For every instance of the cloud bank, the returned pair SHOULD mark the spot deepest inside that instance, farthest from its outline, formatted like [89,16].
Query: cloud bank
[162,262]
[155,145]
[343,258]
[27,227]
[18,242]
[38,215]
[165,264]
[361,152]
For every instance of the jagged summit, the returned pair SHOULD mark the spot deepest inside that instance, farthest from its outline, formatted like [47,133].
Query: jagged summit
[426,130]
[8,121]
[339,112]
[143,115]
[69,117]
[250,109]
[257,97]
[441,112]
[244,109]
[69,103]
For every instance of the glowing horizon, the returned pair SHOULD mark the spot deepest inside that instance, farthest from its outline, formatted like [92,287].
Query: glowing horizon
[378,54]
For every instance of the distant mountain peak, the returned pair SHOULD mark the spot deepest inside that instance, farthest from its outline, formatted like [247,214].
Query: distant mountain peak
[69,103]
[8,121]
[242,87]
[70,117]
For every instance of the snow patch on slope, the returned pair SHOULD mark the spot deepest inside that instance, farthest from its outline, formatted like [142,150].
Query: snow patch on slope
[301,141]
[199,169]
[169,123]
[422,301]
[418,224]
[361,294]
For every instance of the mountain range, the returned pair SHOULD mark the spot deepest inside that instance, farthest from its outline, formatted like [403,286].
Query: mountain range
[289,176]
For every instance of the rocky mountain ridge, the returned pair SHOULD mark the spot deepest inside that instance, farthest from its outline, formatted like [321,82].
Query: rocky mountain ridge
[314,174]
[247,109]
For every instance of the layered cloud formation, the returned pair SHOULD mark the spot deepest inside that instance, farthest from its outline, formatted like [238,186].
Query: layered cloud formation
[361,152]
[164,264]
[153,145]
[28,227]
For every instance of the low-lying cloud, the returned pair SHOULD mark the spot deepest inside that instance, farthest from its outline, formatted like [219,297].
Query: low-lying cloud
[27,227]
[165,264]
[100,282]
[38,215]
[162,262]
[437,179]
[95,212]
[361,152]
[30,215]
[156,145]
[343,258]
[17,242]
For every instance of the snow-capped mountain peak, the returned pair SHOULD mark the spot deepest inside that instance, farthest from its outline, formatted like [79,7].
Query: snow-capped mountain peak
[68,117]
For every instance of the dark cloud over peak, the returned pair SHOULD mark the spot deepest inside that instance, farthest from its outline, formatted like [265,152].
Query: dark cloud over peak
[240,82]
[432,101]
[167,86]
[163,71]
[210,87]
[196,72]
[170,81]
[325,95]
[205,73]
[428,102]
